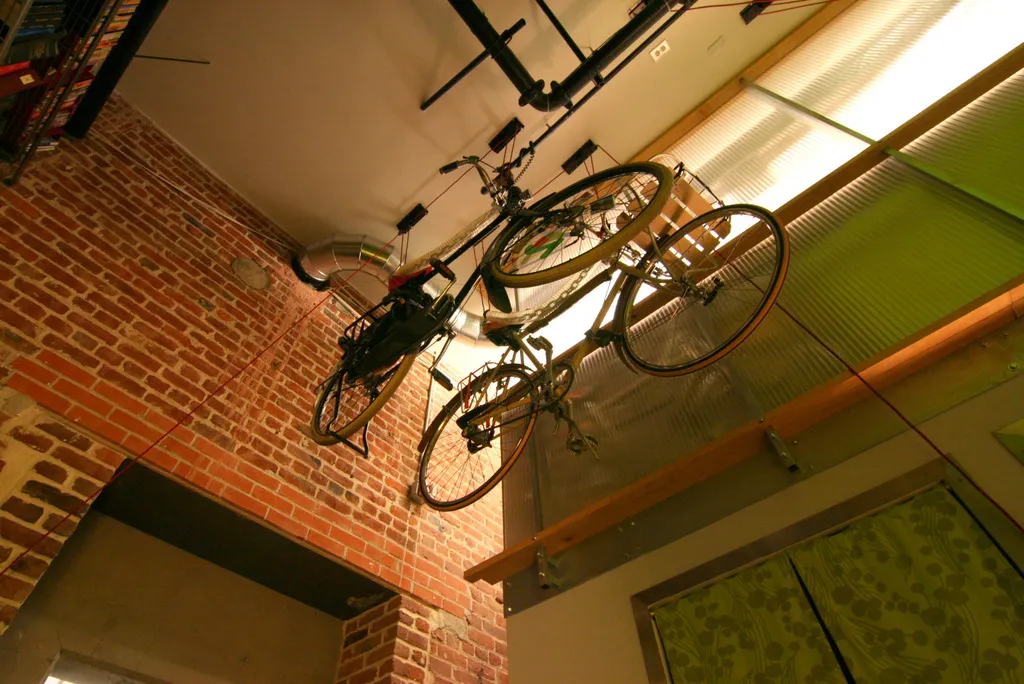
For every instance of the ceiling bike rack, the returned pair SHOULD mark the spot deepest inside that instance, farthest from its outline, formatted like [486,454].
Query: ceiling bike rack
[532,91]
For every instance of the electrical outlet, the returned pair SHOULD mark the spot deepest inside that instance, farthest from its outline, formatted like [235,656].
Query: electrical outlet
[659,50]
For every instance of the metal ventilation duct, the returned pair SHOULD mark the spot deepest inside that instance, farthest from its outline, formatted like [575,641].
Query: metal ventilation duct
[320,260]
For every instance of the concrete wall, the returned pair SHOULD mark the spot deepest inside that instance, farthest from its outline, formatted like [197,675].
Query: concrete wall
[122,597]
[588,634]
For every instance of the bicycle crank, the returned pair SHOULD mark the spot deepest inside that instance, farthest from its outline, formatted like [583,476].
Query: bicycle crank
[577,441]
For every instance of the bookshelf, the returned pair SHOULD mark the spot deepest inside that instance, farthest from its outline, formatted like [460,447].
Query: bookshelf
[50,53]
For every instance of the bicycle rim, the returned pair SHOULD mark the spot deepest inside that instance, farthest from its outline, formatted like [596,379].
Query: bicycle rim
[451,475]
[721,273]
[349,406]
[616,204]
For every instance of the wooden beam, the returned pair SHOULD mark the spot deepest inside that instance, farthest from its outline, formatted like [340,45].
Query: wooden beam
[777,53]
[976,319]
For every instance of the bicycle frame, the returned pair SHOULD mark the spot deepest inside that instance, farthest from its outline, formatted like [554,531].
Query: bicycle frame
[591,342]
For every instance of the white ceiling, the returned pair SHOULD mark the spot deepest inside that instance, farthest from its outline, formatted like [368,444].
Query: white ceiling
[310,109]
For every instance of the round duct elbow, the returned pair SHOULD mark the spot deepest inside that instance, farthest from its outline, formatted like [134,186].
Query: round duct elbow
[320,260]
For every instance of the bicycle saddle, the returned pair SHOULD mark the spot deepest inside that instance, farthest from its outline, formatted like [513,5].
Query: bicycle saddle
[500,333]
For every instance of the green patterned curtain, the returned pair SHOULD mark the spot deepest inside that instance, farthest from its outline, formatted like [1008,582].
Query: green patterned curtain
[918,593]
[915,594]
[754,627]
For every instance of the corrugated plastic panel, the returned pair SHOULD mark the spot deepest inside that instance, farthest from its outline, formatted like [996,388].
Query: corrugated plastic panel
[887,256]
[982,145]
[883,61]
[753,152]
[893,253]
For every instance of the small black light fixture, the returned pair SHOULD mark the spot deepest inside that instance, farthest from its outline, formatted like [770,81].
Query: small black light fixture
[751,11]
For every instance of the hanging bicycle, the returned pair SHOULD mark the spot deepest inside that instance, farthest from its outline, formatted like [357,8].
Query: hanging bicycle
[556,237]
[725,267]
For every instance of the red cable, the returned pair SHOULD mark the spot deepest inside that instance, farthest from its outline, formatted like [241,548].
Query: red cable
[443,192]
[609,155]
[553,179]
[512,148]
[132,461]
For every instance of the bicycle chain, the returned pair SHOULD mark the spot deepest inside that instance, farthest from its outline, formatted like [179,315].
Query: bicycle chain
[529,160]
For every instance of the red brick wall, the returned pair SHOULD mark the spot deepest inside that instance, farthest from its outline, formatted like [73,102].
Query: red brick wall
[47,469]
[407,641]
[119,313]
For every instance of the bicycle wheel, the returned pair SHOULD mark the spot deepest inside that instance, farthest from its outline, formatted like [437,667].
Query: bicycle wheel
[344,406]
[706,288]
[458,465]
[596,217]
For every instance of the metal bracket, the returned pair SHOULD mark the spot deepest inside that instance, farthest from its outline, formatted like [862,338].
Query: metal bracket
[365,449]
[547,571]
[781,450]
[414,493]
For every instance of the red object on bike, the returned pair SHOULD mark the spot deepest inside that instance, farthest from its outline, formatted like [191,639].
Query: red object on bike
[398,281]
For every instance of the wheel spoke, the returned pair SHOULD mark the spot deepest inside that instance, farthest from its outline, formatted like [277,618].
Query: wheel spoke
[551,241]
[727,290]
[456,468]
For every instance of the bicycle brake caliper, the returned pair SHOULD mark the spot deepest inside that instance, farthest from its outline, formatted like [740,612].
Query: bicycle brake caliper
[602,338]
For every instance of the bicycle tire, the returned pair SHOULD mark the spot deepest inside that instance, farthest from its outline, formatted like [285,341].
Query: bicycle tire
[599,252]
[333,437]
[631,286]
[450,245]
[436,429]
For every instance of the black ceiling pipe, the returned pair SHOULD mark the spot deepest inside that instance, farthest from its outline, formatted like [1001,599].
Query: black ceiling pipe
[619,42]
[114,66]
[530,89]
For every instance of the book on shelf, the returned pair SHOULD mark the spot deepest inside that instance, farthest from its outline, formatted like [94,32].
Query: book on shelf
[12,8]
[43,30]
[48,17]
[36,26]
[26,49]
[17,81]
[48,145]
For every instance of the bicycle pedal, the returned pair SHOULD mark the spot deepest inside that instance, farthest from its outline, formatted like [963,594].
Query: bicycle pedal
[442,380]
[540,343]
[578,445]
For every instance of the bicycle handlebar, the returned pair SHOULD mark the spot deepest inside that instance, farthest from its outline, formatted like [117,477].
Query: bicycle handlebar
[503,178]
